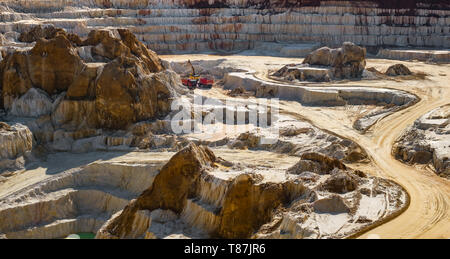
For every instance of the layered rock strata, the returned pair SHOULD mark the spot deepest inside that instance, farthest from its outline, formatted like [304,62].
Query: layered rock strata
[193,197]
[168,26]
[392,100]
[439,55]
[87,94]
[76,200]
[16,142]
[53,79]
[325,64]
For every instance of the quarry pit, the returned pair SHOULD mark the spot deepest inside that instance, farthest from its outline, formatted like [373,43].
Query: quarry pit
[313,137]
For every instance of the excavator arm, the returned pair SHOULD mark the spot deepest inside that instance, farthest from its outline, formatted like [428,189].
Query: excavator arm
[192,76]
[192,67]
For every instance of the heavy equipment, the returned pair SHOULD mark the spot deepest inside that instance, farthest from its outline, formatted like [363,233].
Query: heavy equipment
[194,80]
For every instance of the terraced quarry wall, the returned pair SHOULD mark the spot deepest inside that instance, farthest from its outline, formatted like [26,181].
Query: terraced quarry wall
[77,200]
[199,25]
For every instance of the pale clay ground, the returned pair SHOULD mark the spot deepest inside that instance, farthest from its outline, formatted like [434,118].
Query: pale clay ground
[428,215]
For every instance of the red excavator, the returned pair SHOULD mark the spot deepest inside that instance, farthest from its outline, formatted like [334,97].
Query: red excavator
[194,80]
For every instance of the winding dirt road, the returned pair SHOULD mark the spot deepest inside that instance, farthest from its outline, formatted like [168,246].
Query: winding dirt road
[428,214]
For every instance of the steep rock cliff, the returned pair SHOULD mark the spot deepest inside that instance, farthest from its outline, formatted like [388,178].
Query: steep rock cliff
[199,193]
[196,25]
[179,180]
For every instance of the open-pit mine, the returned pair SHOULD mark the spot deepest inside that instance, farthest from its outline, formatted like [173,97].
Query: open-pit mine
[229,119]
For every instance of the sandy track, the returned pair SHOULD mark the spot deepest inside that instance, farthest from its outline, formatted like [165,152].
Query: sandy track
[428,213]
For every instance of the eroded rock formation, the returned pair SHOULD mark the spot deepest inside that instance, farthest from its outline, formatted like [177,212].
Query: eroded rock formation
[398,70]
[68,90]
[169,191]
[316,163]
[427,141]
[245,205]
[127,89]
[15,142]
[325,64]
[347,61]
[192,192]
[295,139]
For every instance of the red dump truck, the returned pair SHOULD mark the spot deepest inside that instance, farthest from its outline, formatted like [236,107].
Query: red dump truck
[194,80]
